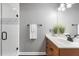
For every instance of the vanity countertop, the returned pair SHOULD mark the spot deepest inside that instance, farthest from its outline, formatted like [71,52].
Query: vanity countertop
[61,42]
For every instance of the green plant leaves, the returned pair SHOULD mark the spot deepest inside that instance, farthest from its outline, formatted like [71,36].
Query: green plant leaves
[58,29]
[55,29]
[61,29]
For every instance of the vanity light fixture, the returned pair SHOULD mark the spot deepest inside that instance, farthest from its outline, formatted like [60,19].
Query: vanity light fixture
[63,6]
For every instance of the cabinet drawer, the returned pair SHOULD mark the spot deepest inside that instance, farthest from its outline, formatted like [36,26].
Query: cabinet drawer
[69,52]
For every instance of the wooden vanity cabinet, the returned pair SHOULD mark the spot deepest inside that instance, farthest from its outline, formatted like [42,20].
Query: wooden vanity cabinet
[53,50]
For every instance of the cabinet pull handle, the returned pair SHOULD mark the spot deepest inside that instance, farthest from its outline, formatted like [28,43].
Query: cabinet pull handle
[51,49]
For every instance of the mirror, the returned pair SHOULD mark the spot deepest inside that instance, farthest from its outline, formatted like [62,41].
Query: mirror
[69,17]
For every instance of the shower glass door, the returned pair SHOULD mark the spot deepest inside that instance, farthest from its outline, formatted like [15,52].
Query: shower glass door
[0,32]
[9,29]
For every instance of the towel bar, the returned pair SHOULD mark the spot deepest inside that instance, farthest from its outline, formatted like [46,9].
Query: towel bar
[37,25]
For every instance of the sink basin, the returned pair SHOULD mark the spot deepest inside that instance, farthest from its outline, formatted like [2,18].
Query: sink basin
[64,42]
[75,43]
[76,39]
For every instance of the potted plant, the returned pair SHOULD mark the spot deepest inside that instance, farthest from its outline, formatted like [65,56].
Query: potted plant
[61,29]
[55,30]
[58,30]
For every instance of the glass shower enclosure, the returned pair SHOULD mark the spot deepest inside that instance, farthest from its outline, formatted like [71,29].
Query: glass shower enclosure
[9,29]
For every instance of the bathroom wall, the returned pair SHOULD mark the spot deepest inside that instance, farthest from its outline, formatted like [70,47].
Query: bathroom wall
[68,17]
[36,13]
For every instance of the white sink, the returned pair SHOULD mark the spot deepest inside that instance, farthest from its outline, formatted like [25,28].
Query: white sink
[76,39]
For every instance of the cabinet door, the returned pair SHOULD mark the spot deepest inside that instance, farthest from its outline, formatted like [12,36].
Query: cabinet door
[52,50]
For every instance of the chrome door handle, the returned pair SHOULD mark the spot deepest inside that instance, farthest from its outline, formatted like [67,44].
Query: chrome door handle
[4,35]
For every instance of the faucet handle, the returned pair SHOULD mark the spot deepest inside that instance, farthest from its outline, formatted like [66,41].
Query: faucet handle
[76,35]
[67,35]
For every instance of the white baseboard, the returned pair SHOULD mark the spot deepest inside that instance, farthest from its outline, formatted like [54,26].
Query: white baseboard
[32,53]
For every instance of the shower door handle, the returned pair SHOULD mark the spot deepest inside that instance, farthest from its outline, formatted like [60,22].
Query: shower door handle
[4,35]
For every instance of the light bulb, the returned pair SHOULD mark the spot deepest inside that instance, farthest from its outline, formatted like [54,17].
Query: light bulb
[63,8]
[62,5]
[59,9]
[69,5]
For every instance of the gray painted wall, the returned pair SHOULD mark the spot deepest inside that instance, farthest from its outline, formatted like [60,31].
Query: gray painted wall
[38,13]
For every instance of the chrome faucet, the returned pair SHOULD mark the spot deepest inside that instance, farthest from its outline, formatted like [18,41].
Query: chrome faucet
[69,38]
